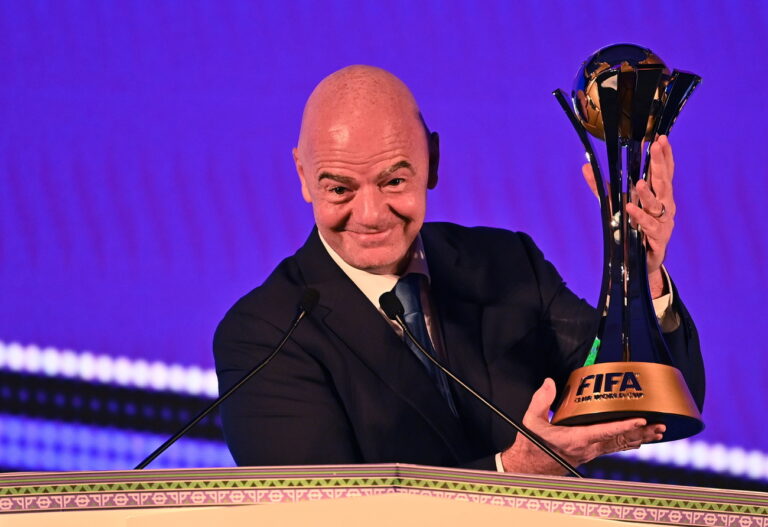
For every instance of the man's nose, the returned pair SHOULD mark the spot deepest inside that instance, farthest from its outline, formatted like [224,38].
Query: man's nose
[369,207]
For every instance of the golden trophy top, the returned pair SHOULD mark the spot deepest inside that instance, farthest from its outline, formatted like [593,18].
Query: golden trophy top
[626,58]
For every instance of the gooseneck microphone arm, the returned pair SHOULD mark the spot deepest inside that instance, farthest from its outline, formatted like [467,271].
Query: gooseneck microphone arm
[393,308]
[308,301]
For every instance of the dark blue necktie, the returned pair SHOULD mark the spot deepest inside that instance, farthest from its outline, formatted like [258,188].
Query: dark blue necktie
[408,290]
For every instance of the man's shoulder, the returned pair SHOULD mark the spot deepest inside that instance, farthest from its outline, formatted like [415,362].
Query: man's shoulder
[282,289]
[488,258]
[276,298]
[480,241]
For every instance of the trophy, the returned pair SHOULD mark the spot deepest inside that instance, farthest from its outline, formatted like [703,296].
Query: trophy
[625,95]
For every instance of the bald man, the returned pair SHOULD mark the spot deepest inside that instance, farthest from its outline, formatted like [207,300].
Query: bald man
[347,388]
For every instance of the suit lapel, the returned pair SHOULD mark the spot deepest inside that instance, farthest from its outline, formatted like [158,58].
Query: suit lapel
[456,293]
[352,318]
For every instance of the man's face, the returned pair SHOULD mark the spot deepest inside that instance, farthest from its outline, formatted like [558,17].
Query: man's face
[367,185]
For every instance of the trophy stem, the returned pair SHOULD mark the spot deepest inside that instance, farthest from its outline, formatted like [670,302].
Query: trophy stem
[618,313]
[625,297]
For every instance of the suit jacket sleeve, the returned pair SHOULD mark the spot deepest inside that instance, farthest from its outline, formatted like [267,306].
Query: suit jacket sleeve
[683,344]
[269,421]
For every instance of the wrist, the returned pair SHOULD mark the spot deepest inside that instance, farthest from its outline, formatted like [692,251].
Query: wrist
[657,284]
[511,457]
[523,457]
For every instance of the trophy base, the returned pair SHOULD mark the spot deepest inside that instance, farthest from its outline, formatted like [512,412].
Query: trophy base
[622,390]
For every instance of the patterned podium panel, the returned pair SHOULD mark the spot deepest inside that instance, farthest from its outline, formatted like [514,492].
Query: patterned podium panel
[637,502]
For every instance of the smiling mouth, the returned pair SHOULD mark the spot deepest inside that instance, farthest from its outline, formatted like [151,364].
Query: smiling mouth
[369,237]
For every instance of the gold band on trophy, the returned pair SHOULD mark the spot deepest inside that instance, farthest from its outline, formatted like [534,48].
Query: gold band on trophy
[620,390]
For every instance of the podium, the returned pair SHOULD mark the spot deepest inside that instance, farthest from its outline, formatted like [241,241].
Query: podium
[340,495]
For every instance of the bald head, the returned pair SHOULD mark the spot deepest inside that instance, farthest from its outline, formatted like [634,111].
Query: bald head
[354,99]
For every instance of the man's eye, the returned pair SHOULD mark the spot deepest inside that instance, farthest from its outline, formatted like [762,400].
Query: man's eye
[395,181]
[338,190]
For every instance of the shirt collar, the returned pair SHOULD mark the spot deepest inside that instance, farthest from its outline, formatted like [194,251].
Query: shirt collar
[374,285]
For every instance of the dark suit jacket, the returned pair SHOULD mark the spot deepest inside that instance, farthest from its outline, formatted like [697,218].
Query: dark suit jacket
[346,389]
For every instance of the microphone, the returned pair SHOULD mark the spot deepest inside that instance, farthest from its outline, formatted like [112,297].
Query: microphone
[393,308]
[308,301]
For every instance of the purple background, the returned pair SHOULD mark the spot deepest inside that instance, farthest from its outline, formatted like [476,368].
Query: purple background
[146,180]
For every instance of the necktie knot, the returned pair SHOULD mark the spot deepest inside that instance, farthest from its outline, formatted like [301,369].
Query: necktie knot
[408,291]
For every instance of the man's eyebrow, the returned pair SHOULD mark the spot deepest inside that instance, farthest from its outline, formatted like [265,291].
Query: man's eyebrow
[394,168]
[384,173]
[335,177]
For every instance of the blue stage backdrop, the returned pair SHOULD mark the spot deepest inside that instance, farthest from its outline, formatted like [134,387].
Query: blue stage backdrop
[146,179]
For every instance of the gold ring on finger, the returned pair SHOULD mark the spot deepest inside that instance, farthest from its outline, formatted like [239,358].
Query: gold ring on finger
[661,213]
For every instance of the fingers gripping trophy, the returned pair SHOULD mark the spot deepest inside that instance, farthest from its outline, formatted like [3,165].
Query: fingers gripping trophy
[625,95]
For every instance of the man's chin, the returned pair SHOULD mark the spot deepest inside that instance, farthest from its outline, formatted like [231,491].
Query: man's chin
[377,267]
[378,254]
[376,264]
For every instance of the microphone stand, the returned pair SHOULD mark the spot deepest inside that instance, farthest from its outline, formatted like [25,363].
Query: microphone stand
[308,301]
[393,308]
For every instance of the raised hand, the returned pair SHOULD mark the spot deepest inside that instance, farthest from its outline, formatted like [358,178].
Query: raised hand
[657,216]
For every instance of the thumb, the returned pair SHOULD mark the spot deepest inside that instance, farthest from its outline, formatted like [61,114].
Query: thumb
[589,177]
[541,401]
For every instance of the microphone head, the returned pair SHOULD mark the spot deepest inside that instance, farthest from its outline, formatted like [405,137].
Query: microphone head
[391,305]
[309,299]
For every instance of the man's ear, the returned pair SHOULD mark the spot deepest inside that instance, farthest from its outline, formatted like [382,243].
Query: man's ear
[434,159]
[302,178]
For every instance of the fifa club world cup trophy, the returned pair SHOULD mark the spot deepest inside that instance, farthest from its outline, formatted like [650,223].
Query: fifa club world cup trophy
[625,95]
